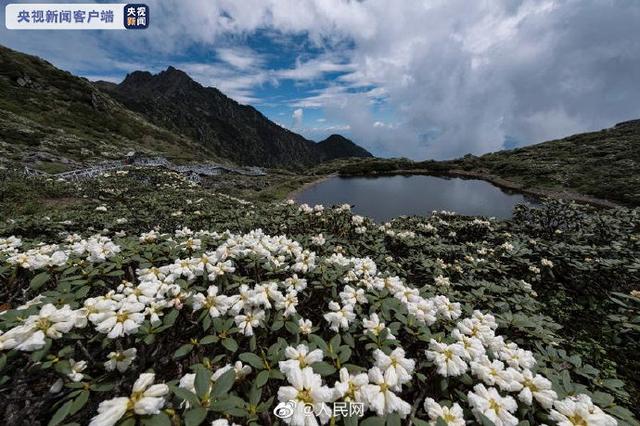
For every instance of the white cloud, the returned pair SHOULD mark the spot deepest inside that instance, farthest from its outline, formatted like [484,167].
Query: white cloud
[297,116]
[313,69]
[240,58]
[461,75]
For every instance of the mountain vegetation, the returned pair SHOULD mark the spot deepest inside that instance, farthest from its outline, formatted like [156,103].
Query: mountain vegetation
[56,121]
[131,310]
[600,167]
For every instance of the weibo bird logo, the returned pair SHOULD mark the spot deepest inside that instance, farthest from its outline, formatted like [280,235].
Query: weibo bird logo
[284,410]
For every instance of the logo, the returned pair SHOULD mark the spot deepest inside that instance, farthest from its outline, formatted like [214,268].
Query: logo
[136,16]
[284,410]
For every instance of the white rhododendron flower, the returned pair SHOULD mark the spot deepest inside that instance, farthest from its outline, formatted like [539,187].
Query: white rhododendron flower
[379,396]
[309,394]
[516,357]
[223,422]
[318,240]
[340,316]
[451,416]
[493,373]
[305,326]
[534,386]
[216,304]
[352,296]
[447,358]
[117,323]
[473,347]
[578,411]
[50,322]
[396,368]
[110,412]
[249,320]
[120,360]
[492,405]
[299,357]
[241,371]
[547,263]
[146,398]
[349,388]
[295,283]
[442,281]
[375,326]
[75,375]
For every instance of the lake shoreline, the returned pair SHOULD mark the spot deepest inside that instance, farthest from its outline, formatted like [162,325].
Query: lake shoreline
[464,174]
[293,194]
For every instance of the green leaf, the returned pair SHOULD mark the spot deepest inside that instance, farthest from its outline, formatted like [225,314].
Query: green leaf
[373,421]
[276,374]
[230,344]
[484,420]
[79,402]
[252,359]
[160,419]
[131,421]
[186,395]
[255,393]
[39,280]
[102,387]
[350,421]
[206,340]
[62,412]
[345,354]
[262,378]
[202,382]
[323,368]
[335,342]
[224,383]
[319,342]
[393,419]
[39,354]
[170,318]
[195,416]
[292,327]
[183,350]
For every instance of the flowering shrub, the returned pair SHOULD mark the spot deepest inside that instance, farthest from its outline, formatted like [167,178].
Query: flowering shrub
[262,285]
[423,320]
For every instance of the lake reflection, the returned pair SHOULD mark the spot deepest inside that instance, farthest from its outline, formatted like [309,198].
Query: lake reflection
[383,198]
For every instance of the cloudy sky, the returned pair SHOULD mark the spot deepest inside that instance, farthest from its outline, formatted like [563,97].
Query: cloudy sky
[414,78]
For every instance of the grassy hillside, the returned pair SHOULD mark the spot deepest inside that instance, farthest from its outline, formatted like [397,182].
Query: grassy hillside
[603,165]
[55,120]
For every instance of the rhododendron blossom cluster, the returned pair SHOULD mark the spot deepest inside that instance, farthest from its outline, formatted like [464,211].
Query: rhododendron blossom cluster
[277,279]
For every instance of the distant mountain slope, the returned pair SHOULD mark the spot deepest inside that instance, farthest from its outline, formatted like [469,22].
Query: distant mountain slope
[173,100]
[595,166]
[603,164]
[337,146]
[54,120]
[50,118]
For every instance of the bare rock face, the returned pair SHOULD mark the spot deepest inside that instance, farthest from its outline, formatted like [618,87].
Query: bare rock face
[240,133]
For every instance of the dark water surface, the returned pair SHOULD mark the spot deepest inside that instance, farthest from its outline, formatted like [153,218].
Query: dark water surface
[383,198]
